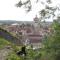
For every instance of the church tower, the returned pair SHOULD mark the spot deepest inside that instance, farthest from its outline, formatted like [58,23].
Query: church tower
[36,20]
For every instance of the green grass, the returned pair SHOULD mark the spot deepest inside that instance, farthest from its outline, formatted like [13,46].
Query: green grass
[13,56]
[3,42]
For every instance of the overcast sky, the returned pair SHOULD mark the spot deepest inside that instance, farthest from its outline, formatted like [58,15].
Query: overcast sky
[8,10]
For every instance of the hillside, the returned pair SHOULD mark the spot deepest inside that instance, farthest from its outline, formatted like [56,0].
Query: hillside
[3,42]
[3,50]
[7,22]
[7,50]
[6,35]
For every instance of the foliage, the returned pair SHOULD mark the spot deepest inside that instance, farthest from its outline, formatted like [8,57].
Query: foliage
[52,43]
[33,54]
[15,47]
[28,4]
[12,56]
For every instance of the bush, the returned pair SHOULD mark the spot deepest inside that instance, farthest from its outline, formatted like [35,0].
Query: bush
[13,56]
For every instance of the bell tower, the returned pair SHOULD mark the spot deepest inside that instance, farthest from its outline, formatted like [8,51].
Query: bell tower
[36,20]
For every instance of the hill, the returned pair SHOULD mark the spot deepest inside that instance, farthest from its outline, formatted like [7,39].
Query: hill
[3,42]
[7,22]
[6,35]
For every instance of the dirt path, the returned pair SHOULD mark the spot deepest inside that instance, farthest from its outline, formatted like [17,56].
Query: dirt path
[3,53]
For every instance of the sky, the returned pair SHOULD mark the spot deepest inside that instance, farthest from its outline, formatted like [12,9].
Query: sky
[8,10]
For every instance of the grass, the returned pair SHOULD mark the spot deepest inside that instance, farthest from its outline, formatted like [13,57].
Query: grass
[3,42]
[13,56]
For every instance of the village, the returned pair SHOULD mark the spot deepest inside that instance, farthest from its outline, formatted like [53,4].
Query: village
[29,33]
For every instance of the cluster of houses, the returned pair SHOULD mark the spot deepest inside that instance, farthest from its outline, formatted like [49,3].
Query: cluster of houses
[30,34]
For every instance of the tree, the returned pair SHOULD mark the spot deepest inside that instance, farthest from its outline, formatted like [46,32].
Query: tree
[46,13]
[28,4]
[52,42]
[56,40]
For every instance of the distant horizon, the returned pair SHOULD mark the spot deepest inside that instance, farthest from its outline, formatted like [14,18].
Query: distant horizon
[15,20]
[22,20]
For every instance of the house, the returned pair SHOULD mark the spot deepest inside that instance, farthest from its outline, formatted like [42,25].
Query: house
[34,39]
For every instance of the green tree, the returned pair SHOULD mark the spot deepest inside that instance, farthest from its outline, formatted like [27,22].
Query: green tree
[46,13]
[28,4]
[51,50]
[52,43]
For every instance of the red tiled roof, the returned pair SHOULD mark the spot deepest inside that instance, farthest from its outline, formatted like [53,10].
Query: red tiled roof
[35,35]
[35,40]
